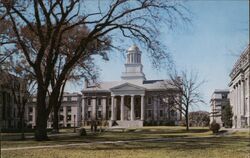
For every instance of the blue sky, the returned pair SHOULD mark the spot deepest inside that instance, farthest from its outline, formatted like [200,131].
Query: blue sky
[210,45]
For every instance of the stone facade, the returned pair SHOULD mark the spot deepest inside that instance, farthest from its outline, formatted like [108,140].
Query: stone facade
[8,107]
[240,90]
[69,113]
[131,101]
[219,99]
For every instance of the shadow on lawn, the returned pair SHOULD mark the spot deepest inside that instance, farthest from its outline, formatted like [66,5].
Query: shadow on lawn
[139,133]
[173,145]
[169,131]
[180,144]
[179,139]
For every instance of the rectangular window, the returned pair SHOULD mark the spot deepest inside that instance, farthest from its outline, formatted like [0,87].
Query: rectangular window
[1,98]
[74,99]
[30,109]
[149,100]
[68,125]
[69,118]
[161,113]
[61,109]
[89,114]
[30,118]
[224,96]
[109,114]
[171,101]
[137,114]
[149,113]
[161,101]
[4,106]
[14,112]
[64,98]
[109,101]
[61,117]
[99,101]
[89,101]
[99,114]
[15,101]
[68,109]
[172,113]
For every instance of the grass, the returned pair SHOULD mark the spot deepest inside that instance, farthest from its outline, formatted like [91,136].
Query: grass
[198,142]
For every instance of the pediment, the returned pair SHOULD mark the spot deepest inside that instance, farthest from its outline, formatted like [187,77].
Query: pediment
[127,87]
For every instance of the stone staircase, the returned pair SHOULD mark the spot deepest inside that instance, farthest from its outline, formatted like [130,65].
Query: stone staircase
[126,124]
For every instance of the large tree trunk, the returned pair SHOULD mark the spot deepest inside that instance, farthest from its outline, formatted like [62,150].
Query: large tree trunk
[187,118]
[187,122]
[41,119]
[55,120]
[22,127]
[56,106]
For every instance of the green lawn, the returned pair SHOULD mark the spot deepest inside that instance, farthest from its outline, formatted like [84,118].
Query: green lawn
[198,142]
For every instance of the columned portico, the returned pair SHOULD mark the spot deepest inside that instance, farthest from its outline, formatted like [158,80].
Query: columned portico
[126,104]
[114,100]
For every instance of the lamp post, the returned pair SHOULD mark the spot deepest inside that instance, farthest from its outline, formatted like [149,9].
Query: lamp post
[74,123]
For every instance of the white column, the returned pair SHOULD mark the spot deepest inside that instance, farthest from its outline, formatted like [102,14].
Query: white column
[142,107]
[104,107]
[83,110]
[238,107]
[133,57]
[112,108]
[122,107]
[115,108]
[234,104]
[234,100]
[65,116]
[243,111]
[132,115]
[240,101]
[93,100]
[155,107]
[34,115]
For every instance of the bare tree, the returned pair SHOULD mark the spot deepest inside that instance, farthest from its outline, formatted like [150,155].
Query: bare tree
[199,118]
[83,69]
[5,32]
[49,21]
[188,86]
[22,90]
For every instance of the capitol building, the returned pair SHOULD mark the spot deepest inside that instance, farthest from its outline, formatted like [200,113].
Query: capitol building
[131,102]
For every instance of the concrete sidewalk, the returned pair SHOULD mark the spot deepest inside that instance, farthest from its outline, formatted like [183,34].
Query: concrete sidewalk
[18,136]
[82,144]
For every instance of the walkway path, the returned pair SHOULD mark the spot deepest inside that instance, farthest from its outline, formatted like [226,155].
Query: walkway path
[82,144]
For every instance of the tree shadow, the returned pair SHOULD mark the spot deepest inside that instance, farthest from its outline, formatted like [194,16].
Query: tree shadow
[180,144]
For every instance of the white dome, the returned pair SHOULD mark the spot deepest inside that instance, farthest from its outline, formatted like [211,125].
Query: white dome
[133,48]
